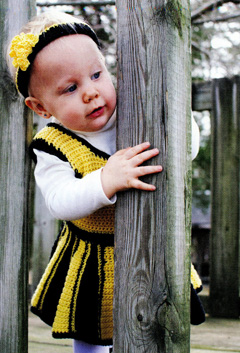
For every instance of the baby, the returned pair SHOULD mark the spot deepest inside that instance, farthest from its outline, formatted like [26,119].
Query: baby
[61,73]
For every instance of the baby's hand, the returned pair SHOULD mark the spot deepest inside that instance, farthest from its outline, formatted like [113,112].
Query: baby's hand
[123,169]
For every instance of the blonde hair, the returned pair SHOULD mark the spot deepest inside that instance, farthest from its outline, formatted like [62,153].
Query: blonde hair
[37,25]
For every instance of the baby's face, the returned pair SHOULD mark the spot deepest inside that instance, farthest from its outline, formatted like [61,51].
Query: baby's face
[70,80]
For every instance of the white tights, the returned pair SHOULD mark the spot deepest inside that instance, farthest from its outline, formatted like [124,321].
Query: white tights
[82,347]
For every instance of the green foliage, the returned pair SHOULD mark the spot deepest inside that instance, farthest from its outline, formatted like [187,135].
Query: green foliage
[200,52]
[216,40]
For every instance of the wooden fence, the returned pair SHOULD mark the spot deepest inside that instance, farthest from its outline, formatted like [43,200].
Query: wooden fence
[151,304]
[15,127]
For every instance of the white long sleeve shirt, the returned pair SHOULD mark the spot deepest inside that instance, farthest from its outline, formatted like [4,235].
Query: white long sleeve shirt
[70,198]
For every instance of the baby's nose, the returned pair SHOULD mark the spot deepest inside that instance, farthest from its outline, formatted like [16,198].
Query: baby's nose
[90,94]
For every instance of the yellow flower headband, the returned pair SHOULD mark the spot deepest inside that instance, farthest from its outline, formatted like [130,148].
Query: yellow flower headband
[26,46]
[22,45]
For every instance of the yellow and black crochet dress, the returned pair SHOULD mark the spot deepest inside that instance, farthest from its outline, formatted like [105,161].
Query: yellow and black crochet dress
[75,294]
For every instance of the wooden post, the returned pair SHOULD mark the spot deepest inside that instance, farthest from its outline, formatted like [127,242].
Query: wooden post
[44,230]
[224,273]
[44,234]
[152,257]
[15,126]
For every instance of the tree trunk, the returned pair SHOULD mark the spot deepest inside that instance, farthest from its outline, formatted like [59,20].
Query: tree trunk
[224,274]
[15,127]
[152,257]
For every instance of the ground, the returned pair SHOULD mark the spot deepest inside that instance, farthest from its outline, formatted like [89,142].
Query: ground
[215,335]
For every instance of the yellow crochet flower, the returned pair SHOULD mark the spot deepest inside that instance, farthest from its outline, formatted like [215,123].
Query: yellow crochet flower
[21,47]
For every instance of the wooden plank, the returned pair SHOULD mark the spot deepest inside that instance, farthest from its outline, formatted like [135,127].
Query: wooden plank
[201,96]
[44,234]
[224,285]
[15,127]
[151,300]
[45,230]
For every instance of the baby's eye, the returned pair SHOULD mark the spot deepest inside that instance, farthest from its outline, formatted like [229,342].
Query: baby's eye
[96,75]
[72,88]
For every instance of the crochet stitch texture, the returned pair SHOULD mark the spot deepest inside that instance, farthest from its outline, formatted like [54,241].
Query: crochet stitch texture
[22,45]
[75,294]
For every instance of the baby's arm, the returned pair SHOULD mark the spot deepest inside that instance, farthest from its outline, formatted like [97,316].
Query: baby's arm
[68,197]
[123,169]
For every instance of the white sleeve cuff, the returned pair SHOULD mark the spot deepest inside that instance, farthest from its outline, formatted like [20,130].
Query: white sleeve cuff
[195,138]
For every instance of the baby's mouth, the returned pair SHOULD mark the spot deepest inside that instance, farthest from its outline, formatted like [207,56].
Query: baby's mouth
[96,112]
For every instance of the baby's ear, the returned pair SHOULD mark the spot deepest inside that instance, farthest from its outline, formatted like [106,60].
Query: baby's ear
[37,107]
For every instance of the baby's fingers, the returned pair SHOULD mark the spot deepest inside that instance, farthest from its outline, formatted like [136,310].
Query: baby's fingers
[133,151]
[151,169]
[145,170]
[145,156]
[140,185]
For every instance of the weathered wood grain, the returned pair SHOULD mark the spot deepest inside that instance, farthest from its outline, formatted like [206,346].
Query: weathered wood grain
[45,229]
[14,171]
[151,302]
[202,96]
[224,284]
